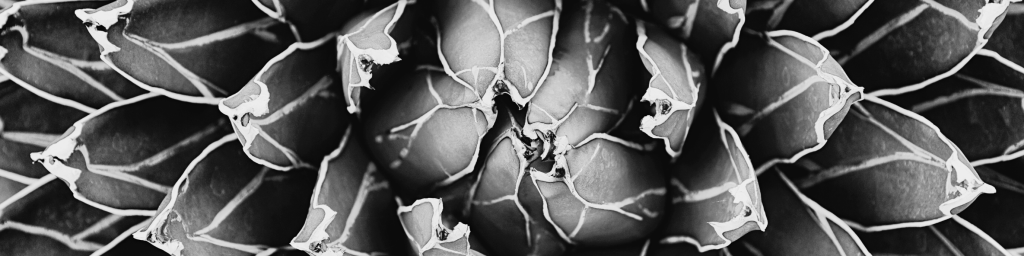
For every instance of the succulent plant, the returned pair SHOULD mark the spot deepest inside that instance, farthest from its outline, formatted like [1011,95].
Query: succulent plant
[512,127]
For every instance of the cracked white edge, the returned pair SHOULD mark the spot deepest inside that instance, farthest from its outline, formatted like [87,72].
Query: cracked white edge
[962,170]
[722,227]
[5,174]
[117,240]
[914,224]
[514,93]
[989,13]
[377,56]
[1003,60]
[460,230]
[487,100]
[652,95]
[843,26]
[518,147]
[259,105]
[980,233]
[175,247]
[29,138]
[725,6]
[319,231]
[822,212]
[64,239]
[25,191]
[847,91]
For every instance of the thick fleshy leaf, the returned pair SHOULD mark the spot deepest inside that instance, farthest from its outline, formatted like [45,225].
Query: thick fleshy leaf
[191,50]
[886,167]
[602,191]
[125,157]
[352,209]
[225,204]
[997,214]
[309,20]
[586,96]
[900,46]
[45,49]
[817,18]
[289,114]
[428,235]
[714,195]
[783,94]
[984,119]
[512,46]
[803,227]
[507,211]
[45,219]
[367,42]
[711,27]
[28,123]
[1001,61]
[955,236]
[426,130]
[675,94]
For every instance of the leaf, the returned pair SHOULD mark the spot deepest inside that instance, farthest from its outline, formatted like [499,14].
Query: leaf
[887,168]
[955,236]
[367,42]
[309,20]
[426,131]
[428,235]
[711,27]
[602,191]
[226,205]
[1001,60]
[45,50]
[44,219]
[784,95]
[985,119]
[819,19]
[194,50]
[586,96]
[512,46]
[803,227]
[351,211]
[289,114]
[28,123]
[675,95]
[994,214]
[714,192]
[124,157]
[507,211]
[901,46]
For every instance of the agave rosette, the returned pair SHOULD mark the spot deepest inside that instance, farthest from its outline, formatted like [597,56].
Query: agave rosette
[546,127]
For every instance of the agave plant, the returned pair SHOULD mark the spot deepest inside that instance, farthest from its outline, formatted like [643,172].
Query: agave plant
[511,127]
